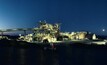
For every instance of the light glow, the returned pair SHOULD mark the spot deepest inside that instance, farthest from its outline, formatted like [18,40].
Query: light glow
[103,30]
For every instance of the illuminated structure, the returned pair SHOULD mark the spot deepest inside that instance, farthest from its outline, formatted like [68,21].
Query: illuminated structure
[50,33]
[94,37]
[4,37]
[45,33]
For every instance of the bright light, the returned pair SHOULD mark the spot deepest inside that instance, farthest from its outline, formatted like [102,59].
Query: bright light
[103,30]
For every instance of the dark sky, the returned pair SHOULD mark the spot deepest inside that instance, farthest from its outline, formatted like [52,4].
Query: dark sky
[75,15]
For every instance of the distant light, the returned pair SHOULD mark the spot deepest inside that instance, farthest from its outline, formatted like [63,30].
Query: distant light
[103,30]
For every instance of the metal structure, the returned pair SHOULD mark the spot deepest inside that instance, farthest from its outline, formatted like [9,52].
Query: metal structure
[50,33]
[16,29]
[44,33]
[2,36]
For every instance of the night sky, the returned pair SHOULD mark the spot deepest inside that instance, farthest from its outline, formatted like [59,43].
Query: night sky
[74,15]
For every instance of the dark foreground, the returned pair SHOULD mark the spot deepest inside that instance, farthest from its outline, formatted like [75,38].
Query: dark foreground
[21,53]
